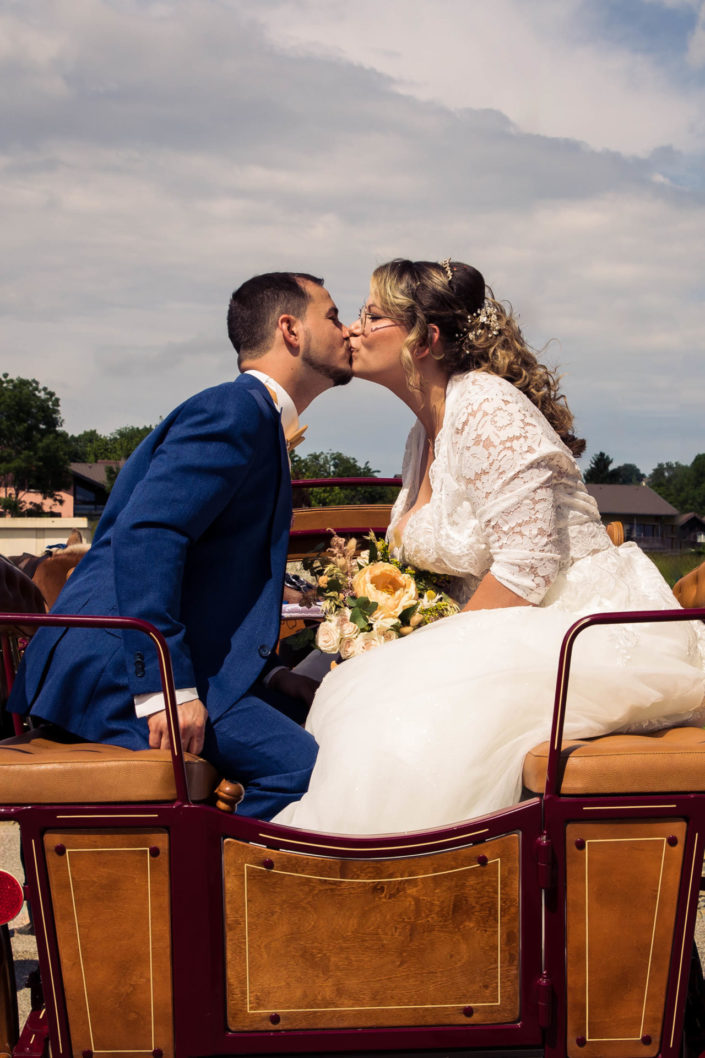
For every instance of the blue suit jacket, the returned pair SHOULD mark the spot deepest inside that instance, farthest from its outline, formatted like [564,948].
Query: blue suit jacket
[193,539]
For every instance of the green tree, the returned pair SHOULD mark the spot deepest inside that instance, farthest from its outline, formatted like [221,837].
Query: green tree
[34,450]
[91,446]
[337,465]
[629,474]
[600,471]
[673,482]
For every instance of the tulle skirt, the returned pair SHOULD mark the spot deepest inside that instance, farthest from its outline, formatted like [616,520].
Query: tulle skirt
[433,728]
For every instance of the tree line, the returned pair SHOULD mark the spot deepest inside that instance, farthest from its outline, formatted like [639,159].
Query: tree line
[680,484]
[35,450]
[35,454]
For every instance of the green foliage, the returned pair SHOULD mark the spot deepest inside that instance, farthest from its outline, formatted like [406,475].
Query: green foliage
[337,465]
[601,472]
[12,507]
[674,566]
[681,485]
[91,446]
[629,474]
[34,450]
[361,609]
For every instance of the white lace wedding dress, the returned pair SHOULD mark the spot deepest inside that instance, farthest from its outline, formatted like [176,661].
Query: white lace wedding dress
[433,728]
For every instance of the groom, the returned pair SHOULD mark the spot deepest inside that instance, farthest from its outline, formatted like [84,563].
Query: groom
[194,539]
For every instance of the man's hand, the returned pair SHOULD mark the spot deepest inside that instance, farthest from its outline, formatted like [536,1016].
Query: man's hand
[192,724]
[287,682]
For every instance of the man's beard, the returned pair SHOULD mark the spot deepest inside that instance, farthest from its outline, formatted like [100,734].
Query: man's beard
[339,376]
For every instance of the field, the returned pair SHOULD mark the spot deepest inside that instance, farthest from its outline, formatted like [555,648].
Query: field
[675,565]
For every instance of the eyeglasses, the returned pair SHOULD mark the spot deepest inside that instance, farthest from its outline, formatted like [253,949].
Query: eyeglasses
[366,315]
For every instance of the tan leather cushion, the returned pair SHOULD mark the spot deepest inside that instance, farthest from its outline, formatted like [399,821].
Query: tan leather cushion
[665,761]
[35,770]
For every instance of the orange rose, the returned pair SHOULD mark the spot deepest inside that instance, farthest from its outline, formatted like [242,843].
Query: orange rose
[386,585]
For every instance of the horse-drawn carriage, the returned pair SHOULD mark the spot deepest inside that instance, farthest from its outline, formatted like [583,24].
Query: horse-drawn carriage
[168,925]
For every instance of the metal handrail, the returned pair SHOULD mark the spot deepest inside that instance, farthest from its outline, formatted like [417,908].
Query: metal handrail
[165,670]
[564,659]
[312,483]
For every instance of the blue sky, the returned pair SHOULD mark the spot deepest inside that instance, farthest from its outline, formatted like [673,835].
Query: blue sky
[155,153]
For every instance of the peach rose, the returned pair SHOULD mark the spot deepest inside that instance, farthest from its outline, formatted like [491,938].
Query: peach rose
[386,585]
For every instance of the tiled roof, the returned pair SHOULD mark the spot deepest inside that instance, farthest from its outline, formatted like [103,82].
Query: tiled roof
[682,519]
[95,472]
[630,499]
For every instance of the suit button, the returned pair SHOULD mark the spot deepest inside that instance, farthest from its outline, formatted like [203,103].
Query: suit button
[264,651]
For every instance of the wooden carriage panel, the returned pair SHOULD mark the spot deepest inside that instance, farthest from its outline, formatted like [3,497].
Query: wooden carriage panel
[110,896]
[622,889]
[313,942]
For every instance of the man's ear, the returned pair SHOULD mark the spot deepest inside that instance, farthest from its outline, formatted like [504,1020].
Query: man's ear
[434,336]
[290,330]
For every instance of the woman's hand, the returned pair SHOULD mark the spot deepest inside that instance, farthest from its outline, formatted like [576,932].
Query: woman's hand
[492,595]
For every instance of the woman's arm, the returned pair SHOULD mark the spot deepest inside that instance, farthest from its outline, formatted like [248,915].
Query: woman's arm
[509,463]
[492,595]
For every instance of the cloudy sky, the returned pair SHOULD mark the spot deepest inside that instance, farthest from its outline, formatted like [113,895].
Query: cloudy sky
[156,153]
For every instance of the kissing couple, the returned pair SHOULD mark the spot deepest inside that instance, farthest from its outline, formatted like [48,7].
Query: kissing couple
[432,728]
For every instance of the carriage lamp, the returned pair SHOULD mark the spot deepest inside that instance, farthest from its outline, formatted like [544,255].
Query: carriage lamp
[11,898]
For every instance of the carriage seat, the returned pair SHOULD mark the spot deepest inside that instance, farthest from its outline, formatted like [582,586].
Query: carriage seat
[35,769]
[668,761]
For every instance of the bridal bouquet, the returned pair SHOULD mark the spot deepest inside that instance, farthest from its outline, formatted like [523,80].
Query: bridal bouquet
[371,598]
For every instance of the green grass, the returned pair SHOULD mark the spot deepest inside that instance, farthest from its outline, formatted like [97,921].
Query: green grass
[673,566]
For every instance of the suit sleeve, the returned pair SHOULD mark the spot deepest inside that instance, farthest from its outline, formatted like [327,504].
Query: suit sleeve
[196,471]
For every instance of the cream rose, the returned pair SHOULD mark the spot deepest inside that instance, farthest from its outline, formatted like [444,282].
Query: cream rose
[347,629]
[386,585]
[383,622]
[367,641]
[328,637]
[347,645]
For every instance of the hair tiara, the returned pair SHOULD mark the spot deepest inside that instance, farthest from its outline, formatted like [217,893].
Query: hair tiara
[485,318]
[447,268]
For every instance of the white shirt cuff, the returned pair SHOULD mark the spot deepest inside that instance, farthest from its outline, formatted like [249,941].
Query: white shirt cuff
[146,704]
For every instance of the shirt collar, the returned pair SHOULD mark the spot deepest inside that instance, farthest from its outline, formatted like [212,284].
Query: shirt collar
[281,399]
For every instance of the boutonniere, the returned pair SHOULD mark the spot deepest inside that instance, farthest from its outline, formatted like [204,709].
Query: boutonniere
[294,436]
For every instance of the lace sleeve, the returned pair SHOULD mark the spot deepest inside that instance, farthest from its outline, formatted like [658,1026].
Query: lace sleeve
[508,460]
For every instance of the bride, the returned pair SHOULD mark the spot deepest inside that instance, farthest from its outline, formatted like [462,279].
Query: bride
[433,728]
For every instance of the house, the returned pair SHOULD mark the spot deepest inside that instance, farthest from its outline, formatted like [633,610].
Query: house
[86,496]
[91,485]
[647,518]
[691,528]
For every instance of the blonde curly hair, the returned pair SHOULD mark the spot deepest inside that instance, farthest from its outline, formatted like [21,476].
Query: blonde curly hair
[478,332]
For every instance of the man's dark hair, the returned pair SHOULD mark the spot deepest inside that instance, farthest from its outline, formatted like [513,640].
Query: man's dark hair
[256,306]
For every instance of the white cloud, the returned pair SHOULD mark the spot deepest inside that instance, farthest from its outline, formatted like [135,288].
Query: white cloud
[696,44]
[158,155]
[533,62]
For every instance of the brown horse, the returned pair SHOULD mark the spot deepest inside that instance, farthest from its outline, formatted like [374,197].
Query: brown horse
[50,571]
